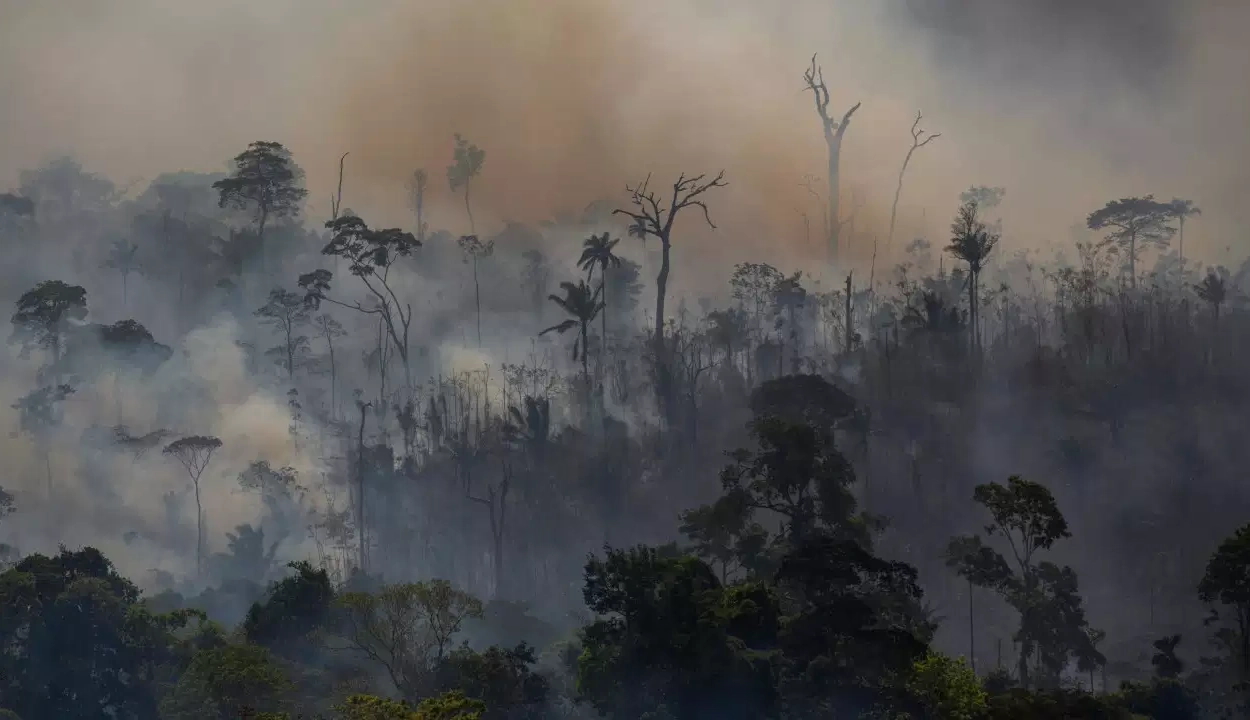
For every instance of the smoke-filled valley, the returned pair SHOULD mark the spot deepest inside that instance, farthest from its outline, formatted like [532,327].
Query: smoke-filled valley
[523,358]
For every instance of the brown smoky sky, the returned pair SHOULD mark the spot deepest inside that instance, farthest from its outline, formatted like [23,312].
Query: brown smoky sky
[572,99]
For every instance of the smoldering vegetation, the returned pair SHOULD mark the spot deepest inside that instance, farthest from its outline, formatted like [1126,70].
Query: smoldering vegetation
[473,325]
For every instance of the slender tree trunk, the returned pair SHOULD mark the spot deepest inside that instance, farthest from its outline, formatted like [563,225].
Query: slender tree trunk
[290,355]
[47,467]
[1132,260]
[898,191]
[603,322]
[663,380]
[334,406]
[972,629]
[850,319]
[586,360]
[477,299]
[360,488]
[1181,241]
[833,140]
[199,530]
[661,288]
[469,210]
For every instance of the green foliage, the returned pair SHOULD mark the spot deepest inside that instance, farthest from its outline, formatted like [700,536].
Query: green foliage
[1053,628]
[663,639]
[407,628]
[227,682]
[77,644]
[371,707]
[1020,704]
[948,688]
[502,678]
[295,608]
[450,706]
[797,477]
[1161,699]
[1226,582]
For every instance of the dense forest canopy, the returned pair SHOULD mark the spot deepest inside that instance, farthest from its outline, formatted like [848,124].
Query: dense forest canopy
[553,385]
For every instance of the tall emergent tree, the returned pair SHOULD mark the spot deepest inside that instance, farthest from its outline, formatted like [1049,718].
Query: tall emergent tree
[122,260]
[466,164]
[371,254]
[918,140]
[266,181]
[834,132]
[654,217]
[1181,211]
[194,453]
[1053,628]
[474,249]
[43,316]
[1131,225]
[287,313]
[39,412]
[972,241]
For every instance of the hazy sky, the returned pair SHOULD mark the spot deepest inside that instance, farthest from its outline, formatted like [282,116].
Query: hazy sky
[1065,106]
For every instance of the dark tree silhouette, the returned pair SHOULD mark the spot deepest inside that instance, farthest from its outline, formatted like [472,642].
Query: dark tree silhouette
[474,250]
[972,242]
[582,304]
[1182,210]
[43,316]
[122,260]
[654,217]
[834,131]
[1026,517]
[39,412]
[1131,225]
[597,253]
[16,204]
[194,453]
[1226,582]
[467,160]
[287,313]
[918,140]
[1213,290]
[266,181]
[1166,663]
[328,329]
[371,254]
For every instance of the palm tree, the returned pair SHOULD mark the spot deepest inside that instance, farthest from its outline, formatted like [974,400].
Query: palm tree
[582,305]
[972,242]
[597,252]
[1182,209]
[1214,290]
[121,258]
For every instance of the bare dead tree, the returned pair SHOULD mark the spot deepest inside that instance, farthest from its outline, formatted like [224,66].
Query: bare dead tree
[918,140]
[654,217]
[496,504]
[834,131]
[417,186]
[336,202]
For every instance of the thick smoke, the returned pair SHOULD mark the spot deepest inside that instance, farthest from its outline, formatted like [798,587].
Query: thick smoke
[571,100]
[1065,106]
